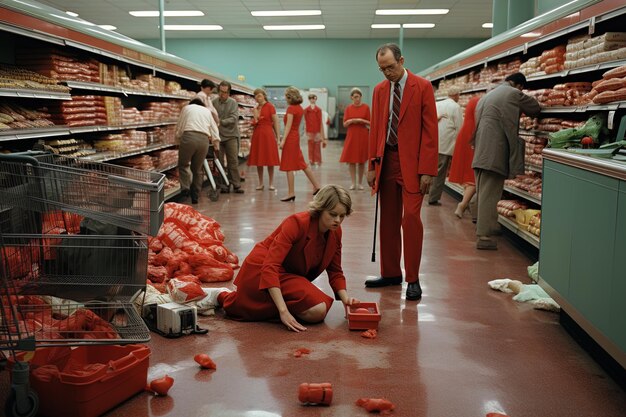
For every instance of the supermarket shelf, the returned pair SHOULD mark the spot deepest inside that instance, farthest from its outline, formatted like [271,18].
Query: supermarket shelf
[579,70]
[172,193]
[535,168]
[109,156]
[582,109]
[29,93]
[22,134]
[167,168]
[43,132]
[246,104]
[523,194]
[533,132]
[454,187]
[474,90]
[81,85]
[513,227]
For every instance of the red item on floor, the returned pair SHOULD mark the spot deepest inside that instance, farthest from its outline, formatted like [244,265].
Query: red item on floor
[184,292]
[363,316]
[301,351]
[160,386]
[86,381]
[496,415]
[205,361]
[370,334]
[321,394]
[382,405]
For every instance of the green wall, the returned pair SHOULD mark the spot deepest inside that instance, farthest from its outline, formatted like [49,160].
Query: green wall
[308,63]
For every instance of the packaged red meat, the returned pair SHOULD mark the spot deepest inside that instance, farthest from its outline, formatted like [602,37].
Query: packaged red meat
[184,292]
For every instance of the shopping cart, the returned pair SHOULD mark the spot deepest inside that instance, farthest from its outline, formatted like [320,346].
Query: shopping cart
[71,261]
[216,174]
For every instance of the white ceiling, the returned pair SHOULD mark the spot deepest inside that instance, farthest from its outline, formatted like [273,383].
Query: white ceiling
[343,18]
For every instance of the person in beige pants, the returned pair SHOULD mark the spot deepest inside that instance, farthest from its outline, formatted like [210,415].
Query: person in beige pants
[196,130]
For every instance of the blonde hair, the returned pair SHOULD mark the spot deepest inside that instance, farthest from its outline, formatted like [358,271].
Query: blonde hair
[328,197]
[356,90]
[260,91]
[292,94]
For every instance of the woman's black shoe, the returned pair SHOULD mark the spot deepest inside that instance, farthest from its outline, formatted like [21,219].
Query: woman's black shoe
[292,198]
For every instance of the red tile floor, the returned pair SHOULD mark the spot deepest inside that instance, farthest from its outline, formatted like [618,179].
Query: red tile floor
[463,350]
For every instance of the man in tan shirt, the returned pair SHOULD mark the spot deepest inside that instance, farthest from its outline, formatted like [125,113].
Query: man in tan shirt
[196,131]
[206,90]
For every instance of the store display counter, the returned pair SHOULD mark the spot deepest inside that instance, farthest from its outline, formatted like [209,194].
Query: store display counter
[583,244]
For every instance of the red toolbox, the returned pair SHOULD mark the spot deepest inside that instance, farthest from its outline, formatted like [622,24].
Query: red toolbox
[86,381]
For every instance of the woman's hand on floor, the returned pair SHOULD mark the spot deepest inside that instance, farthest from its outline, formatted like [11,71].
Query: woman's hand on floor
[291,322]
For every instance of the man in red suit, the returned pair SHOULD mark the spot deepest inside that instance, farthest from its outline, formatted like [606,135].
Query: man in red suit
[403,154]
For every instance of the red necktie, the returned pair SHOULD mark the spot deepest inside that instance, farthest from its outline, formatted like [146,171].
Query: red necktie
[395,116]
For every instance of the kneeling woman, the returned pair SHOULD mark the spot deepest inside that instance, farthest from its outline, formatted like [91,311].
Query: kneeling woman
[275,280]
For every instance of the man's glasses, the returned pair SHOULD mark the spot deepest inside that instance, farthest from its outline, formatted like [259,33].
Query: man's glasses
[388,68]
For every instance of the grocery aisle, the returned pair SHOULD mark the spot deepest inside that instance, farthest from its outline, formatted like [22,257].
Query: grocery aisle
[463,350]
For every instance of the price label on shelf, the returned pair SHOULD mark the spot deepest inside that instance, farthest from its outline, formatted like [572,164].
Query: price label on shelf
[610,119]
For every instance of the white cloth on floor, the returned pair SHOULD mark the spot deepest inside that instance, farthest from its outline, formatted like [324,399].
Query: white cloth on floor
[500,285]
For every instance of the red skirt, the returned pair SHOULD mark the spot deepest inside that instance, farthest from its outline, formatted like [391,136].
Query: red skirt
[292,159]
[263,147]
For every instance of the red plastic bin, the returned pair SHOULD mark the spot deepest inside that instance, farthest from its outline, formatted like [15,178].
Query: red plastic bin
[361,320]
[88,380]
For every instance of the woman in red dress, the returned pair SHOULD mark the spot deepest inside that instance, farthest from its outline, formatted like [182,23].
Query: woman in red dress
[461,171]
[291,158]
[275,279]
[263,147]
[357,119]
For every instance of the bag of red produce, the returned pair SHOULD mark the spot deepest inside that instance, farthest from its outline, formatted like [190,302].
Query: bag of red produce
[183,292]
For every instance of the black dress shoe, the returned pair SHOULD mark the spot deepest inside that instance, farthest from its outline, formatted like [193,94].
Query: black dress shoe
[184,192]
[238,190]
[194,196]
[413,291]
[383,282]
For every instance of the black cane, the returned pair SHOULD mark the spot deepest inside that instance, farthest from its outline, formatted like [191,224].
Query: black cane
[375,227]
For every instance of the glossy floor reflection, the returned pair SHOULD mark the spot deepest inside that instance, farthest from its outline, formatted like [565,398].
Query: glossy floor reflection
[463,350]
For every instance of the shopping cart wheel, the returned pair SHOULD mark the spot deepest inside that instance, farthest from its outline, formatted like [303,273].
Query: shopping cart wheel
[214,195]
[26,407]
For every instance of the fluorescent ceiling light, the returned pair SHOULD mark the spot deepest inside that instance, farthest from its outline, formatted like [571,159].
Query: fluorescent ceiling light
[530,35]
[107,27]
[386,26]
[294,27]
[270,13]
[73,14]
[488,25]
[404,12]
[171,13]
[192,27]
[418,25]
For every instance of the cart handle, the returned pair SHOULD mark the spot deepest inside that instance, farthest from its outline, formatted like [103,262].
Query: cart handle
[137,183]
[26,157]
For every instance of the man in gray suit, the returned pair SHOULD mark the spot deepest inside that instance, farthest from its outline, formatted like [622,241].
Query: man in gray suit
[498,150]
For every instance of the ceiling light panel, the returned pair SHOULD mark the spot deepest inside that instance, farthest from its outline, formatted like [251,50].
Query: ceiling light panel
[386,26]
[280,13]
[487,25]
[107,27]
[192,27]
[418,25]
[294,27]
[166,13]
[410,12]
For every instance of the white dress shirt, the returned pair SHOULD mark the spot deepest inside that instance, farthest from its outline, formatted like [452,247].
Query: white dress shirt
[195,118]
[450,121]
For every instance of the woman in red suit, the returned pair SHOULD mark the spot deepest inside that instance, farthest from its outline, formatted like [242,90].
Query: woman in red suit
[263,148]
[357,119]
[461,171]
[275,279]
[291,158]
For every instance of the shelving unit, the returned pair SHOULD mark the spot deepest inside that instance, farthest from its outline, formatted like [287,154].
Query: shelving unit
[42,25]
[554,28]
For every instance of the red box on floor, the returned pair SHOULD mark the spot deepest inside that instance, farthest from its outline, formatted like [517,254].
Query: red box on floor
[360,319]
[88,380]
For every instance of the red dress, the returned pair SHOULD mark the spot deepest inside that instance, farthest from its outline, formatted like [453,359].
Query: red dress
[291,159]
[355,146]
[295,254]
[263,146]
[461,171]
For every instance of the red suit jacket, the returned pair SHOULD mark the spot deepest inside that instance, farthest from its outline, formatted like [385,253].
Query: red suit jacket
[284,252]
[417,131]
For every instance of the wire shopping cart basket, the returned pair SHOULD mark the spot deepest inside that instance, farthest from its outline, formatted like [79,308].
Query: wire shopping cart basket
[71,260]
